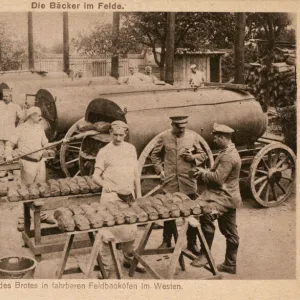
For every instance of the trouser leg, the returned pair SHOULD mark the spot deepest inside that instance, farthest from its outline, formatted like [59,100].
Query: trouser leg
[169,231]
[228,227]
[106,256]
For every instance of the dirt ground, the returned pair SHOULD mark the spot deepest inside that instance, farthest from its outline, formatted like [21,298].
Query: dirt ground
[266,235]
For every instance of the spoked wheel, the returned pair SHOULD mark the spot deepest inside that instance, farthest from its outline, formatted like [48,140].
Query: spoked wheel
[90,147]
[272,174]
[150,181]
[69,153]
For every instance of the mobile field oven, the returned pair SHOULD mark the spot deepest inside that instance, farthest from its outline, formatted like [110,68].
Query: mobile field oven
[268,165]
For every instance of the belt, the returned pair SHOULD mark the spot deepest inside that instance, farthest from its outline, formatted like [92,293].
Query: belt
[32,159]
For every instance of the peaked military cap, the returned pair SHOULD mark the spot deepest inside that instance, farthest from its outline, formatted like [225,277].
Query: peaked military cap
[179,119]
[221,128]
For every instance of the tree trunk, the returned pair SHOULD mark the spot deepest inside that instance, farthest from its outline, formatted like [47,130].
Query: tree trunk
[30,42]
[66,43]
[162,63]
[170,48]
[115,32]
[239,47]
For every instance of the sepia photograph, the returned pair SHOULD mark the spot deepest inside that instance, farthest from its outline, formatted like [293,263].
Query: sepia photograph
[147,145]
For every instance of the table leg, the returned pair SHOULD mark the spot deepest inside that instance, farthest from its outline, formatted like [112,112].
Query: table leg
[99,260]
[211,262]
[177,250]
[26,212]
[112,246]
[181,258]
[141,248]
[65,255]
[93,256]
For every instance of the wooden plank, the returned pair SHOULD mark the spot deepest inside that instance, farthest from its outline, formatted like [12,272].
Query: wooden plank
[112,246]
[157,251]
[177,250]
[65,256]
[99,260]
[37,227]
[93,256]
[141,247]
[152,272]
[10,167]
[181,259]
[207,252]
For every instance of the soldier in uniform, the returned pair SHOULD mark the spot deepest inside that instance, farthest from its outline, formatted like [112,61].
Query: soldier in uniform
[222,194]
[181,151]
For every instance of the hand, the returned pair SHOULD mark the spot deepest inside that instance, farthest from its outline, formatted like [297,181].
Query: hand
[162,175]
[188,156]
[199,172]
[65,140]
[8,158]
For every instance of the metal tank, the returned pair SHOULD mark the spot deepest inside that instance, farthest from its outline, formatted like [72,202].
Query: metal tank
[62,107]
[27,85]
[147,114]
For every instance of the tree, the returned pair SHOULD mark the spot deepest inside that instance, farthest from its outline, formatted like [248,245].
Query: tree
[192,30]
[269,27]
[240,48]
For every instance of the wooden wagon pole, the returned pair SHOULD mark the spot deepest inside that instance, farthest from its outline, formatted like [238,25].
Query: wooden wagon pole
[75,137]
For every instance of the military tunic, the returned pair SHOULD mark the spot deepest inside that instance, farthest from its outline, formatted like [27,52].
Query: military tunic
[175,167]
[222,181]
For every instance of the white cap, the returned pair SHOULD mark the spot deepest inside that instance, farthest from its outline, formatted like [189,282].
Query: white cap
[193,66]
[33,110]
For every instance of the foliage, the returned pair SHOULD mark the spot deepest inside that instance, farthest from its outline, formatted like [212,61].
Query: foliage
[287,118]
[12,51]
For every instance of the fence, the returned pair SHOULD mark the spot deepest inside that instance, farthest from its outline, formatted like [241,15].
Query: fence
[90,67]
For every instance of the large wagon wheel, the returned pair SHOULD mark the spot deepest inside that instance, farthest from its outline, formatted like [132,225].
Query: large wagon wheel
[150,181]
[69,153]
[272,174]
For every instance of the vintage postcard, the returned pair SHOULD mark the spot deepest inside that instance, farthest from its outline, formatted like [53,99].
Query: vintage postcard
[147,148]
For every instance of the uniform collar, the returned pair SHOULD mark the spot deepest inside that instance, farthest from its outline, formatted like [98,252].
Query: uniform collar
[229,147]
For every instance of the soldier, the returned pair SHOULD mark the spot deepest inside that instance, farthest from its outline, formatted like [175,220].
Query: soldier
[222,194]
[181,151]
[10,115]
[134,77]
[149,78]
[116,169]
[196,77]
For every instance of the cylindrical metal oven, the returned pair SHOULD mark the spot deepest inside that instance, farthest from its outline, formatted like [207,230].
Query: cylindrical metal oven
[147,114]
[22,86]
[62,107]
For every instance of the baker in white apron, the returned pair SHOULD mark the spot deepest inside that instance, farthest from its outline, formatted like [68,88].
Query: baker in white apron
[116,169]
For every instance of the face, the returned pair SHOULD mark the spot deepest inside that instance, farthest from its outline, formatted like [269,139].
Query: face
[131,70]
[118,135]
[7,98]
[219,140]
[148,71]
[36,118]
[178,129]
[193,70]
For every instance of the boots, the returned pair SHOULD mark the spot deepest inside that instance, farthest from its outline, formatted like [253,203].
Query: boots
[229,265]
[202,261]
[192,240]
[168,232]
